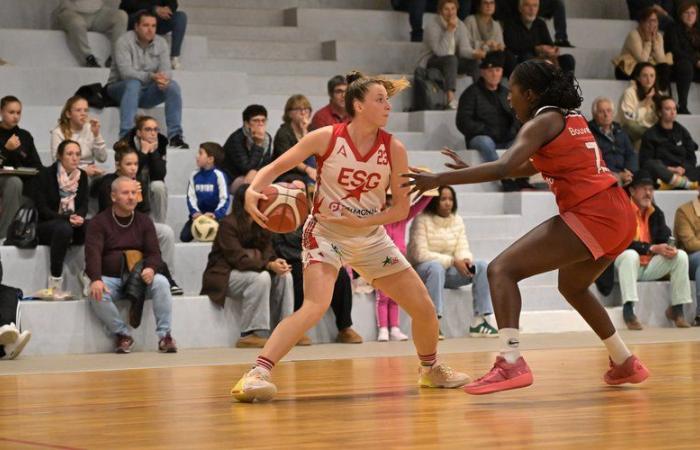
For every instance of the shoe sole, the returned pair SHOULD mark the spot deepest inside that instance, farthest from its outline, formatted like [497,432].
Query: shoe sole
[263,394]
[9,337]
[521,381]
[17,350]
[633,379]
[426,384]
[483,335]
[170,350]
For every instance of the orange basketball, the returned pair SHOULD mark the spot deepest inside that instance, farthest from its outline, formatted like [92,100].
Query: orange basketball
[286,207]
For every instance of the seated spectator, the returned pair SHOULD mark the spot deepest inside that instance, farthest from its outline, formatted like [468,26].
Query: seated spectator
[645,44]
[126,162]
[296,120]
[207,192]
[451,49]
[242,265]
[141,78]
[614,144]
[111,233]
[486,33]
[62,202]
[12,341]
[416,9]
[663,8]
[682,39]
[249,148]
[75,125]
[439,250]
[686,227]
[649,256]
[486,118]
[637,111]
[169,20]
[334,112]
[16,150]
[77,17]
[152,149]
[668,150]
[549,9]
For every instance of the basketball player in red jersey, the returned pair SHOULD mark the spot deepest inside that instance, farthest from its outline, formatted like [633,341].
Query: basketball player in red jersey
[595,222]
[357,163]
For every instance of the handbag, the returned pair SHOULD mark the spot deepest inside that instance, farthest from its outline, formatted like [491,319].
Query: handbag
[22,230]
[133,286]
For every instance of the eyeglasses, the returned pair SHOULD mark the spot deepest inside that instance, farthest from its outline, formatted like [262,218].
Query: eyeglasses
[151,130]
[260,121]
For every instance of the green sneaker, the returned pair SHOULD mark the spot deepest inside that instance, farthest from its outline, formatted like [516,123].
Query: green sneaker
[483,329]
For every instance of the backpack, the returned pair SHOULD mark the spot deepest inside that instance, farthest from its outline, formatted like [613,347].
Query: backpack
[428,90]
[96,96]
[22,230]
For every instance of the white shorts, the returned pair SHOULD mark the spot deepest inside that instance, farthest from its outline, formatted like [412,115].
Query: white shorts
[372,256]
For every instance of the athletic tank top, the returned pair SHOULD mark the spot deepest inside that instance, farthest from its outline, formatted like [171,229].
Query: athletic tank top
[571,163]
[351,181]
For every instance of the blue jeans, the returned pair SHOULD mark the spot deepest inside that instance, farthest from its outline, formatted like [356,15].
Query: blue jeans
[487,147]
[436,278]
[694,265]
[177,24]
[132,95]
[158,290]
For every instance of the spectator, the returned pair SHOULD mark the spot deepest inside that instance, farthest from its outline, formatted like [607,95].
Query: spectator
[649,256]
[77,17]
[207,192]
[663,8]
[242,265]
[614,144]
[486,33]
[75,125]
[485,117]
[152,149]
[169,20]
[110,234]
[439,249]
[451,49]
[16,150]
[296,120]
[141,78]
[126,159]
[549,9]
[668,150]
[416,9]
[637,112]
[527,37]
[334,112]
[12,341]
[62,203]
[645,44]
[683,41]
[249,148]
[686,227]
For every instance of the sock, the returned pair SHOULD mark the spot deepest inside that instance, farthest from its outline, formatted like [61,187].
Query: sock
[510,344]
[628,311]
[428,360]
[677,310]
[679,181]
[476,321]
[617,349]
[264,364]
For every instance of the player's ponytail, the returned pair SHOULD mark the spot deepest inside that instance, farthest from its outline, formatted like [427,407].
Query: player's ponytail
[358,85]
[553,86]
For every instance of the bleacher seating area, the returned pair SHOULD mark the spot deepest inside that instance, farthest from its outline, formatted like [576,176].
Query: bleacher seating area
[239,52]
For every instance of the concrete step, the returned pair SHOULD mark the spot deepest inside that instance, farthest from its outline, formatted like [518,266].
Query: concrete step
[243,33]
[597,9]
[265,67]
[235,16]
[284,51]
[279,4]
[586,33]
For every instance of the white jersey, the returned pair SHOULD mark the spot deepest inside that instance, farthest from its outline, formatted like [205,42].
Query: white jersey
[351,181]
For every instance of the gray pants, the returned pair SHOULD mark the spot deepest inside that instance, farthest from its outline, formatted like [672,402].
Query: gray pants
[166,242]
[11,192]
[107,20]
[265,299]
[159,201]
[451,66]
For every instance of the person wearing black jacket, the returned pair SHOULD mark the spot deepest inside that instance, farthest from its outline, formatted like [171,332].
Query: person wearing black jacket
[169,19]
[614,143]
[62,203]
[668,150]
[16,150]
[249,148]
[682,39]
[664,10]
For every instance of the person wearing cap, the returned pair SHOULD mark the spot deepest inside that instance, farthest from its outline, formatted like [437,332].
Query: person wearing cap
[686,227]
[484,115]
[651,256]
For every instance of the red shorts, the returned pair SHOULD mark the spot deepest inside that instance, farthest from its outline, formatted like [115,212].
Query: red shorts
[606,222]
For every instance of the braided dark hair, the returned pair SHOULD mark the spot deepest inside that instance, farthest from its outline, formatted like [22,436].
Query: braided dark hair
[552,85]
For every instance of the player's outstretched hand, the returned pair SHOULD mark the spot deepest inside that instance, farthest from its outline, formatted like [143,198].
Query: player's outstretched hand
[421,180]
[346,218]
[251,206]
[458,163]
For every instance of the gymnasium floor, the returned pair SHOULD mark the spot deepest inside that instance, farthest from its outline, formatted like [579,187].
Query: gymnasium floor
[348,396]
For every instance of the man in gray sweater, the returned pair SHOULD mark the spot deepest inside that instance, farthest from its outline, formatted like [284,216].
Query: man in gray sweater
[77,17]
[141,78]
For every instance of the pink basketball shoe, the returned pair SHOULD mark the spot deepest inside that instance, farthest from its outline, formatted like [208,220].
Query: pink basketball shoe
[502,377]
[631,371]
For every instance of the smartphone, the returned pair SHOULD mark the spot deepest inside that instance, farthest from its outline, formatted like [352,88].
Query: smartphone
[671,242]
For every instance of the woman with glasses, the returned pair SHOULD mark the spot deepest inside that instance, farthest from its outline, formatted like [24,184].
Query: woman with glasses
[296,120]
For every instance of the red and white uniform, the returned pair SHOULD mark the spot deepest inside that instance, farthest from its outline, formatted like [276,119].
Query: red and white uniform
[348,180]
[589,199]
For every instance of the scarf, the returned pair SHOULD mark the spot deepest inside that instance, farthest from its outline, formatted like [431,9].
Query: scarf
[485,26]
[67,189]
[451,46]
[249,142]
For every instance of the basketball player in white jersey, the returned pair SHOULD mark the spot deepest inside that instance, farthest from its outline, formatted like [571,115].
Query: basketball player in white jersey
[357,163]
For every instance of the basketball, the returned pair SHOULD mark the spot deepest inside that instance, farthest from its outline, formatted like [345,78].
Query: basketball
[204,228]
[286,207]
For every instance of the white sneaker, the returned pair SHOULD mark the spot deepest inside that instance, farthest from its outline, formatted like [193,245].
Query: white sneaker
[8,334]
[13,350]
[254,385]
[175,63]
[453,104]
[383,335]
[397,335]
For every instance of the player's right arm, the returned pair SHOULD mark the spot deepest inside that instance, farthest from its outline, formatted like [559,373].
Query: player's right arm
[313,144]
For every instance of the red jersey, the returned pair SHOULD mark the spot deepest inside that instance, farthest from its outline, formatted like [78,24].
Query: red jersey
[572,164]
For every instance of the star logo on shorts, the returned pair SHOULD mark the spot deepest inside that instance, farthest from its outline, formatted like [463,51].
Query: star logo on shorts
[390,261]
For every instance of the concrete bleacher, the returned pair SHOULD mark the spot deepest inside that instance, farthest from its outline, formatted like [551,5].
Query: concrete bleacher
[239,52]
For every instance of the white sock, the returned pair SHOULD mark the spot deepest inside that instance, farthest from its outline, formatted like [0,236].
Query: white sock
[510,344]
[617,349]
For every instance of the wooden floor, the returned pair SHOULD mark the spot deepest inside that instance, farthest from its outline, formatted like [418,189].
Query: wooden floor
[360,403]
